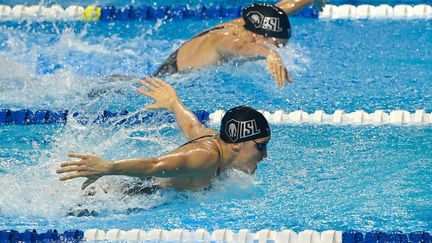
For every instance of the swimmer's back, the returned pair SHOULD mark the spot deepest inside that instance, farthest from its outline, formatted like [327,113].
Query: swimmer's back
[201,51]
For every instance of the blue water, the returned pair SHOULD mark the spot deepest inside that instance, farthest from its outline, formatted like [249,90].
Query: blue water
[316,177]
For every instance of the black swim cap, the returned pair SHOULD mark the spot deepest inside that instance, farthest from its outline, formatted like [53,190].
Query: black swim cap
[243,123]
[267,20]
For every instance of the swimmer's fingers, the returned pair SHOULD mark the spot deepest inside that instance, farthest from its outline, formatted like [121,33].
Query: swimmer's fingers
[285,75]
[277,74]
[67,177]
[274,63]
[73,176]
[161,82]
[276,77]
[148,85]
[71,169]
[164,84]
[65,164]
[281,74]
[153,106]
[272,70]
[288,77]
[81,156]
[153,82]
[146,93]
[165,87]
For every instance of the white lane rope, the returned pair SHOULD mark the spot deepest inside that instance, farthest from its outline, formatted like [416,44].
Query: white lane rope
[202,235]
[339,117]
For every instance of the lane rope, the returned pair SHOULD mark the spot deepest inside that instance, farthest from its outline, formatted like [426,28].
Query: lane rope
[126,13]
[226,235]
[280,117]
[383,11]
[148,12]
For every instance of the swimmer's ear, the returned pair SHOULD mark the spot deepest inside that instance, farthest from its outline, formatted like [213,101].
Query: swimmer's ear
[236,146]
[255,37]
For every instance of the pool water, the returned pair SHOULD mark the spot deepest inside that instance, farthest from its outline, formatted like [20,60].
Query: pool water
[316,177]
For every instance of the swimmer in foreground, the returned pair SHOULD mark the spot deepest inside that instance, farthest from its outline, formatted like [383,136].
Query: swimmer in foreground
[241,143]
[261,28]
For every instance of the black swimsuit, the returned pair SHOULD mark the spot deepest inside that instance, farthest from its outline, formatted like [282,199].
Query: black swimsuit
[170,64]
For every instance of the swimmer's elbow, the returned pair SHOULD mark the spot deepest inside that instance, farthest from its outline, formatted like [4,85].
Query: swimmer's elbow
[194,130]
[157,167]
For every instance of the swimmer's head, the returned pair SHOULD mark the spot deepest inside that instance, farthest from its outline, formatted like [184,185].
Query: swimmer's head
[242,124]
[267,20]
[247,133]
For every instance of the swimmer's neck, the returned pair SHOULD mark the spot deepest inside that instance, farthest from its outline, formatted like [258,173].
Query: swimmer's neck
[227,154]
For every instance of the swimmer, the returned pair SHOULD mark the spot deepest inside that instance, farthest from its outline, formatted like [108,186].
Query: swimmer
[261,28]
[240,143]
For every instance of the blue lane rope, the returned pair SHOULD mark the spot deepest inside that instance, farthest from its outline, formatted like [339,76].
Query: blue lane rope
[127,13]
[111,13]
[31,235]
[354,236]
[27,117]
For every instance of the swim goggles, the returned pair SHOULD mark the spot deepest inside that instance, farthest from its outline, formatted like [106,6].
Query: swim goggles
[261,146]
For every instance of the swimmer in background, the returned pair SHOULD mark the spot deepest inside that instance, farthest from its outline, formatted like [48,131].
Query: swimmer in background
[241,143]
[261,27]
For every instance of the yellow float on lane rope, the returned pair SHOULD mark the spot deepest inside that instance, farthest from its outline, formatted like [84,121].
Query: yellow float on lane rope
[91,13]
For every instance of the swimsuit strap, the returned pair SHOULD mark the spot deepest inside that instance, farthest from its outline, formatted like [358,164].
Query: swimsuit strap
[196,139]
[220,27]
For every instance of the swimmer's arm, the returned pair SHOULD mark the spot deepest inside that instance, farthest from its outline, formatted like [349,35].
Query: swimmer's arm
[292,6]
[166,98]
[238,47]
[182,164]
[189,124]
[288,6]
[194,162]
[236,22]
[274,62]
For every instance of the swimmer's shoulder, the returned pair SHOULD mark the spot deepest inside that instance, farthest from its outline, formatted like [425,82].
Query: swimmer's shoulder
[204,156]
[239,22]
[218,34]
[208,148]
[208,143]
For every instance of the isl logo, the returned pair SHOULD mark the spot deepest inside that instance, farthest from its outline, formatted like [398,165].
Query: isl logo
[241,129]
[267,23]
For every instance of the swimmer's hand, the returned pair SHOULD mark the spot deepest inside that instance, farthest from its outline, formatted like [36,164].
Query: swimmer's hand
[163,94]
[90,166]
[277,69]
